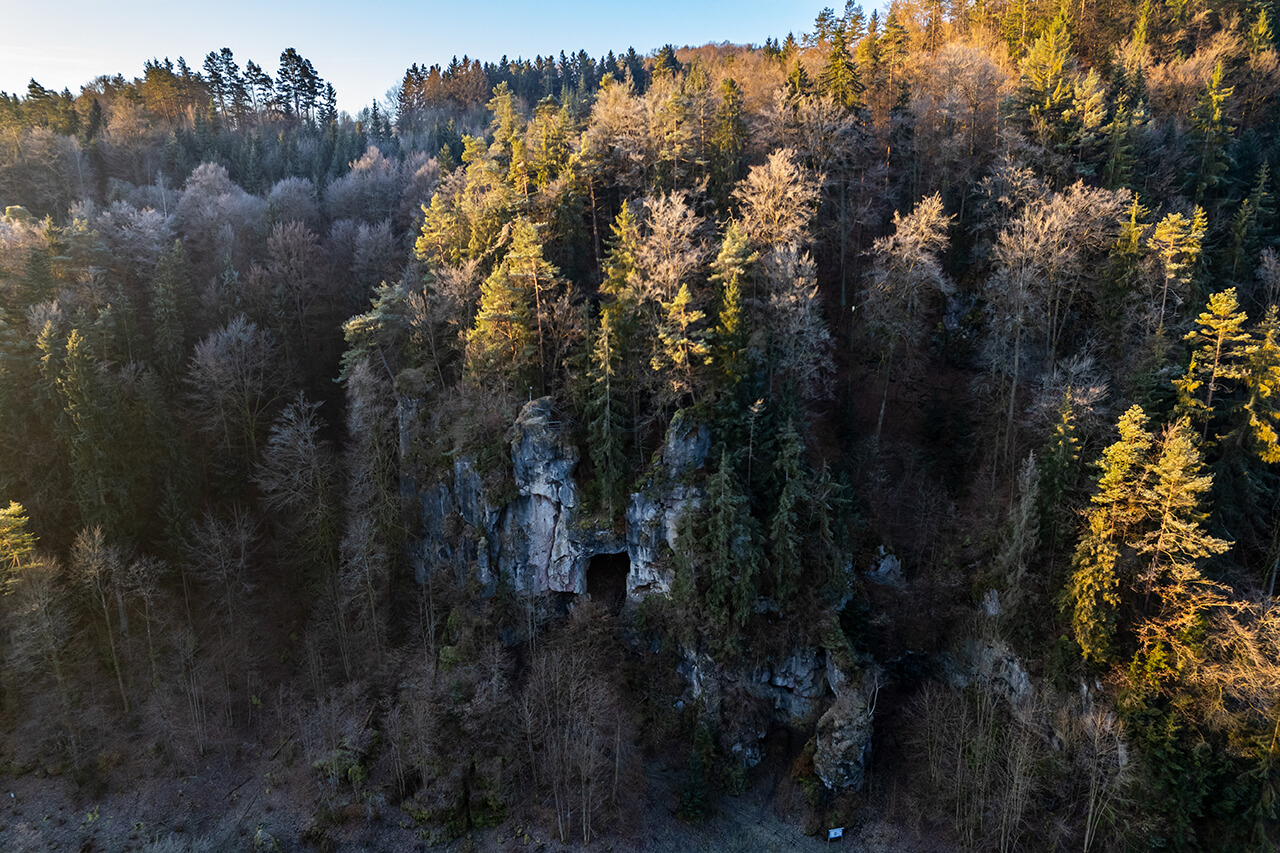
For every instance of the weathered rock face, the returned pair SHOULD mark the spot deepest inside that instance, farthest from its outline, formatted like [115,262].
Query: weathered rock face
[535,550]
[533,541]
[746,702]
[654,513]
[991,662]
[844,742]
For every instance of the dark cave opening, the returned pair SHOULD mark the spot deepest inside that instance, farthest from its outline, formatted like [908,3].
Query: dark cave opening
[607,579]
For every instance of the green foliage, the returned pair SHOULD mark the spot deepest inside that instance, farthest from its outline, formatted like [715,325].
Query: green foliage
[1178,242]
[839,77]
[506,341]
[729,350]
[728,141]
[17,543]
[1211,133]
[1219,343]
[786,554]
[1059,471]
[730,548]
[606,411]
[682,347]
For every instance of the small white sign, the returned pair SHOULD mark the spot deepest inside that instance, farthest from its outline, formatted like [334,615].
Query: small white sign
[833,834]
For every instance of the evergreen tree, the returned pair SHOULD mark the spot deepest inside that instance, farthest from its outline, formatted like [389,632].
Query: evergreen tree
[507,339]
[1178,242]
[1176,543]
[786,543]
[839,77]
[17,544]
[1095,588]
[168,289]
[728,141]
[1094,591]
[1044,98]
[1261,380]
[606,403]
[1219,345]
[729,545]
[1058,472]
[798,84]
[682,348]
[729,352]
[1210,134]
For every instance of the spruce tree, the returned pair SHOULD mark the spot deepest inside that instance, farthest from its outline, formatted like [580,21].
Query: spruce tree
[510,329]
[729,545]
[1044,98]
[606,403]
[1094,593]
[839,77]
[786,543]
[728,141]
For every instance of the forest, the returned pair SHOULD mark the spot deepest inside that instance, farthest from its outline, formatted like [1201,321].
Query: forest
[874,428]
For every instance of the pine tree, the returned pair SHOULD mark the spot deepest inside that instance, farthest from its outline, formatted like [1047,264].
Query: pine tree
[1178,242]
[1219,347]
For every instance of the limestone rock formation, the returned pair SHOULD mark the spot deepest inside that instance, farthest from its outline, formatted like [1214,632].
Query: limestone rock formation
[534,541]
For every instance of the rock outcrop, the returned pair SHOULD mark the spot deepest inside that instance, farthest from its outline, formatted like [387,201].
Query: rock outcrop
[844,742]
[535,540]
[653,513]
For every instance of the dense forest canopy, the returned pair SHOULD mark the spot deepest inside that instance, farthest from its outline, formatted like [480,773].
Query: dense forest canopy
[968,309]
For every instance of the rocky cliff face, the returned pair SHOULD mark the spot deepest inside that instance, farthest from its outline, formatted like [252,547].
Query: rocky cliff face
[536,541]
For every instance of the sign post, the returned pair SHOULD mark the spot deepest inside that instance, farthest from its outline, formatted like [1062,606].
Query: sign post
[835,834]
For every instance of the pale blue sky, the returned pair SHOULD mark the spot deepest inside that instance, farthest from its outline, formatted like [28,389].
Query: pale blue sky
[362,48]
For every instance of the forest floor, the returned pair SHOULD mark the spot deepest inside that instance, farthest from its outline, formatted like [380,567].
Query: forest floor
[258,805]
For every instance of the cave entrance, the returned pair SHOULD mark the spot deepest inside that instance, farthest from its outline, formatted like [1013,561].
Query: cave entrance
[607,579]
